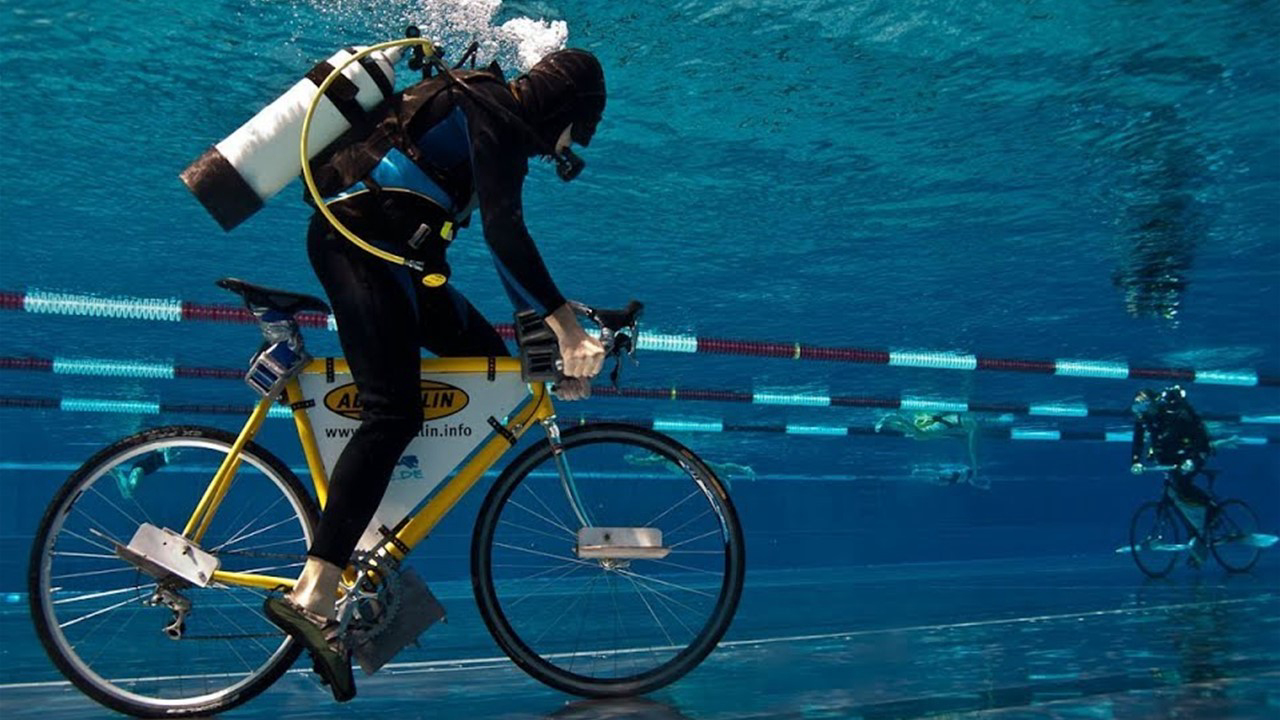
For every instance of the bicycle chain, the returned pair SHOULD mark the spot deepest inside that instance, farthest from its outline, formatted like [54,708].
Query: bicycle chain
[357,631]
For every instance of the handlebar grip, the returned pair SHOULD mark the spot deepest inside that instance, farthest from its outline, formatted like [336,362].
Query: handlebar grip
[540,359]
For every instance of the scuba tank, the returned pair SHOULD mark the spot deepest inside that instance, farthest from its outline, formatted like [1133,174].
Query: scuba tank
[235,177]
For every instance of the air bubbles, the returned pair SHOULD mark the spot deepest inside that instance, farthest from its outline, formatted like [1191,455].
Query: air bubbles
[517,43]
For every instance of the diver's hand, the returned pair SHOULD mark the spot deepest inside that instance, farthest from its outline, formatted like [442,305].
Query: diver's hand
[581,353]
[1187,465]
[1136,468]
[572,388]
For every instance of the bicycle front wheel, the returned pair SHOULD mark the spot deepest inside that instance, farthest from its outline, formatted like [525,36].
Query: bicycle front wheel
[1231,528]
[167,648]
[612,568]
[1155,538]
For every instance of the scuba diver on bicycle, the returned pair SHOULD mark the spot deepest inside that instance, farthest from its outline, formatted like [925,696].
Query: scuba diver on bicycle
[1178,439]
[450,143]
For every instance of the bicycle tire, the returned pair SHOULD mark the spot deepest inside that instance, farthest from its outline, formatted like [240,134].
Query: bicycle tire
[658,585]
[1229,522]
[158,675]
[1154,525]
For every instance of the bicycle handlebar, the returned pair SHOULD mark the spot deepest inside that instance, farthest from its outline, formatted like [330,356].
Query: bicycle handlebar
[540,352]
[1211,475]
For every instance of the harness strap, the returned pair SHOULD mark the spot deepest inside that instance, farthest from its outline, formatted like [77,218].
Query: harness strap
[342,93]
[372,67]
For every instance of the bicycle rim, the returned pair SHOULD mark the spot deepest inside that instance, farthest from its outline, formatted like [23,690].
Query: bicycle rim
[1231,532]
[103,622]
[616,625]
[1155,539]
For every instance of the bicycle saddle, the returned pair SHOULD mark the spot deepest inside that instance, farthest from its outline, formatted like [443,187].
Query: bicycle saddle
[259,297]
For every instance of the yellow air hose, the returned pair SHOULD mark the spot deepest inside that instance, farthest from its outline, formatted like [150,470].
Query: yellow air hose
[429,49]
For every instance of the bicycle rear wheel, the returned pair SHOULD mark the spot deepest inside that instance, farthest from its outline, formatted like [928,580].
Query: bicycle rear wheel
[167,648]
[617,581]
[1155,537]
[1231,526]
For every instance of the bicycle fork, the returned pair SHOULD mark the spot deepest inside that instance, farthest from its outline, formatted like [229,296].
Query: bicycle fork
[613,547]
[566,473]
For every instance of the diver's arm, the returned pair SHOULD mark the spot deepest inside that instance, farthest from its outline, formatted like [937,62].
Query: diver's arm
[500,169]
[499,178]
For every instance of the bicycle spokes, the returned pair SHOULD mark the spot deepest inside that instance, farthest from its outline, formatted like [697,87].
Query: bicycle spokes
[629,596]
[132,607]
[1155,538]
[1233,535]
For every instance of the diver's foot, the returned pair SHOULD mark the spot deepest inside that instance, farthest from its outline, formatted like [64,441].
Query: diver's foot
[320,637]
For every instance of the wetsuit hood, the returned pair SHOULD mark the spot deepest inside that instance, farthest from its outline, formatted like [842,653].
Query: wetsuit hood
[564,87]
[1143,403]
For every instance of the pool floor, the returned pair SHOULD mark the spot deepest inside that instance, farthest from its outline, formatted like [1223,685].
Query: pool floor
[1080,637]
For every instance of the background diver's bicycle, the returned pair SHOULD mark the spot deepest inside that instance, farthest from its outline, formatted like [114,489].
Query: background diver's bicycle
[606,560]
[1161,531]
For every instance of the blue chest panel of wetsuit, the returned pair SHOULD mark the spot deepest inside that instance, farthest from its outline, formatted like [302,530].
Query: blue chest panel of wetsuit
[446,145]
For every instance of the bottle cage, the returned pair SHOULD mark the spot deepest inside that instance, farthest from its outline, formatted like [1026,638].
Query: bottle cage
[281,357]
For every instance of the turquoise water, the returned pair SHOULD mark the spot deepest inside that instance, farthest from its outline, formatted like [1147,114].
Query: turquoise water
[1032,181]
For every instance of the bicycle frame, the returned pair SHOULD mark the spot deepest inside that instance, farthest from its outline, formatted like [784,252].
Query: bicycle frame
[536,408]
[1170,497]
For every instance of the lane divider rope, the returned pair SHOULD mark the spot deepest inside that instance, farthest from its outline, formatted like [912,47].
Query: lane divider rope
[117,368]
[100,367]
[670,425]
[174,310]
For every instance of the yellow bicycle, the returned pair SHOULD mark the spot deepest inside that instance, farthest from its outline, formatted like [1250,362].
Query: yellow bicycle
[606,560]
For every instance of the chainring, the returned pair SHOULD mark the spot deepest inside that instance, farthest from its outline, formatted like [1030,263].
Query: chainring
[369,605]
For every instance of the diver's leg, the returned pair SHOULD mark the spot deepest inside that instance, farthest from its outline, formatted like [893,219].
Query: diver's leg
[316,588]
[897,423]
[451,327]
[376,328]
[1194,503]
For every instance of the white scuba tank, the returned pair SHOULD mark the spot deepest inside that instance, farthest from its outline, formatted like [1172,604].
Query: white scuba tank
[236,176]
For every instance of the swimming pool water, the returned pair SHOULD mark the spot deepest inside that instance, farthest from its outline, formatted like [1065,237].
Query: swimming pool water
[1090,184]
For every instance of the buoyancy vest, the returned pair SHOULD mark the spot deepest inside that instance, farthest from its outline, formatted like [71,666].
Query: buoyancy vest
[433,163]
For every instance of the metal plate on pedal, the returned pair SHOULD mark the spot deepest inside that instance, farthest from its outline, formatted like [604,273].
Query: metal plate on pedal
[621,543]
[163,553]
[418,610]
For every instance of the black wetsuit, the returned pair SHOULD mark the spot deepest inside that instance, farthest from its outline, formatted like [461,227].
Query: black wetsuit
[476,158]
[1177,434]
